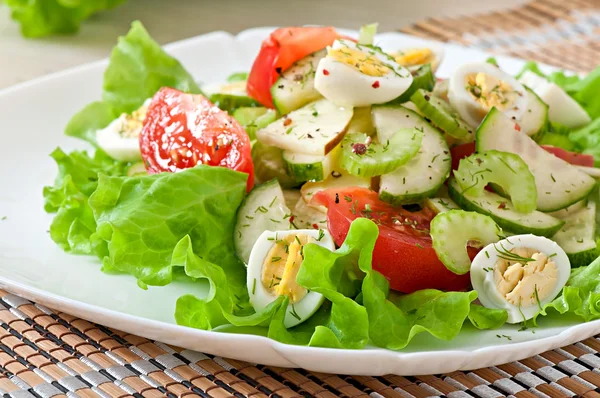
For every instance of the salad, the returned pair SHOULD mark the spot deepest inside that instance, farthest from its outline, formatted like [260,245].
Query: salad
[339,194]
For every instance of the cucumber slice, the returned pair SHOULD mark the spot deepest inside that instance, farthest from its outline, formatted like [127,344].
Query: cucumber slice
[441,114]
[440,205]
[423,78]
[503,212]
[505,169]
[558,183]
[269,164]
[563,213]
[296,86]
[578,236]
[315,129]
[450,237]
[376,159]
[361,121]
[229,96]
[304,167]
[422,176]
[253,119]
[264,209]
[335,180]
[534,121]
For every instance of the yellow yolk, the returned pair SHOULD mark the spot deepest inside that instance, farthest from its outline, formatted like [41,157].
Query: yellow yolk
[281,266]
[526,283]
[417,56]
[489,91]
[365,63]
[131,125]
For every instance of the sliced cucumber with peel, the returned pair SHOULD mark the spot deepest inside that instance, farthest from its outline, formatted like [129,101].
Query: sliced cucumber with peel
[578,236]
[422,176]
[269,164]
[534,121]
[441,114]
[264,209]
[304,167]
[255,118]
[505,169]
[452,230]
[229,96]
[296,86]
[363,158]
[558,183]
[502,211]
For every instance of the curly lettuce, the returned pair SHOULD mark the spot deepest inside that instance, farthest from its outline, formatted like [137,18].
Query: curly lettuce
[39,18]
[138,67]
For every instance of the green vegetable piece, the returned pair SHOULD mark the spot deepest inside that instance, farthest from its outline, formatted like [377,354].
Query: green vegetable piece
[507,170]
[237,77]
[39,18]
[366,159]
[367,33]
[423,78]
[441,114]
[254,118]
[451,231]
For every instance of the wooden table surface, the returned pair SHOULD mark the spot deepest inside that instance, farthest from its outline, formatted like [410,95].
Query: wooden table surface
[22,59]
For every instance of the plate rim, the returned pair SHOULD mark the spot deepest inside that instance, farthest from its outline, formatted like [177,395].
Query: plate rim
[439,360]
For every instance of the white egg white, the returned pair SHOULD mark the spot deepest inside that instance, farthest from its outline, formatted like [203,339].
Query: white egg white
[121,141]
[260,297]
[346,86]
[465,104]
[482,275]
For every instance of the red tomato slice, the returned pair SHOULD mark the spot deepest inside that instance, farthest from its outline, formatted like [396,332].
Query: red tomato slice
[279,51]
[579,159]
[183,130]
[403,252]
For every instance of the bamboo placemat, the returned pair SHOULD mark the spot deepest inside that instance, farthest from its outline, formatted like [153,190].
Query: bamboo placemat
[46,353]
[563,33]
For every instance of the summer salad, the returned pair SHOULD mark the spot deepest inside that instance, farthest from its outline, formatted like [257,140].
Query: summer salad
[339,194]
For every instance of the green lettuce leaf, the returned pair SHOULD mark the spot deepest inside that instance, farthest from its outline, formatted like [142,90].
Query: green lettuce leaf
[138,67]
[141,219]
[39,18]
[588,138]
[487,318]
[77,178]
[581,295]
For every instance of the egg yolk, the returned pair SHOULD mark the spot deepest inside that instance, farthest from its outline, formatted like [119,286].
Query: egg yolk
[489,91]
[527,279]
[365,63]
[281,266]
[417,56]
[131,125]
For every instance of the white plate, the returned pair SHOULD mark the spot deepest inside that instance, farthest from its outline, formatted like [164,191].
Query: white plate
[32,117]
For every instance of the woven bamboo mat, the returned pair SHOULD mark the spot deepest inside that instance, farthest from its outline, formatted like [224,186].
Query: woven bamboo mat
[46,353]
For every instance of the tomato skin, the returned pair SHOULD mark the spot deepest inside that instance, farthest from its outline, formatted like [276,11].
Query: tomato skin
[578,159]
[403,254]
[182,130]
[460,152]
[279,51]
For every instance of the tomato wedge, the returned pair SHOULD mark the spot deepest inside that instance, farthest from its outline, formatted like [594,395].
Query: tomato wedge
[403,252]
[578,159]
[182,130]
[279,51]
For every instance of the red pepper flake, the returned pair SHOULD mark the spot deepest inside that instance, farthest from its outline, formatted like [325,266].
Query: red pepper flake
[315,226]
[517,127]
[292,219]
[325,72]
[502,205]
[287,122]
[376,84]
[359,149]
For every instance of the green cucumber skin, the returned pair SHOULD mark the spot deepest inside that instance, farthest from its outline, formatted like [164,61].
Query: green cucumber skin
[509,226]
[423,78]
[444,119]
[229,102]
[538,135]
[584,258]
[398,200]
[305,171]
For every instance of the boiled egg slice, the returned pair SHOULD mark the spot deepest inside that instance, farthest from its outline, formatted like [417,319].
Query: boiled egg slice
[414,58]
[562,108]
[474,88]
[272,269]
[520,274]
[355,75]
[120,139]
